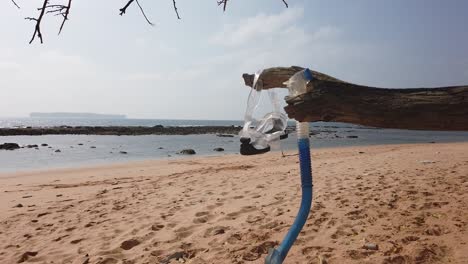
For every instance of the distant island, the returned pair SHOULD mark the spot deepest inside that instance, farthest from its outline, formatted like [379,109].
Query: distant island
[76,115]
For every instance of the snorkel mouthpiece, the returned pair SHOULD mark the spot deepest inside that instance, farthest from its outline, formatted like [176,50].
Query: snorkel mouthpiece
[297,84]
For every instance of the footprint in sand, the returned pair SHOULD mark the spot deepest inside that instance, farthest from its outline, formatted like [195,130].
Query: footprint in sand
[433,253]
[396,260]
[271,225]
[356,214]
[198,214]
[27,255]
[255,252]
[184,232]
[434,231]
[129,244]
[316,249]
[157,227]
[254,218]
[359,254]
[409,239]
[164,216]
[201,220]
[216,230]
[171,225]
[76,241]
[213,206]
[107,261]
[245,209]
[202,217]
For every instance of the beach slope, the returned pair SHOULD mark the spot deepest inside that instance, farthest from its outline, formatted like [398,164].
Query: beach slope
[408,203]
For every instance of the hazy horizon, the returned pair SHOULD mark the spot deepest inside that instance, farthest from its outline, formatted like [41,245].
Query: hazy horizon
[191,68]
[126,117]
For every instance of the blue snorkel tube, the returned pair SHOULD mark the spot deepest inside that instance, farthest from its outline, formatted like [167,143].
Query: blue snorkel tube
[257,139]
[297,84]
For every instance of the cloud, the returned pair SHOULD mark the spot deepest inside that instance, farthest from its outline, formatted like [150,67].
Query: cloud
[286,38]
[9,66]
[141,42]
[326,33]
[281,39]
[144,76]
[54,65]
[187,74]
[259,26]
[47,65]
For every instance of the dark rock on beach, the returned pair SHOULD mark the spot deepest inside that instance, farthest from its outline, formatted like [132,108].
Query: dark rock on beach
[44,145]
[9,146]
[32,146]
[187,152]
[224,135]
[371,246]
[218,149]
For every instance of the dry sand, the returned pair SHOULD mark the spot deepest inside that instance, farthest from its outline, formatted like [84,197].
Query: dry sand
[410,200]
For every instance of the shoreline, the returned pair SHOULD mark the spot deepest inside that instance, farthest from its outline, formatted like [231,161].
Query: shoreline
[36,152]
[121,130]
[409,199]
[143,161]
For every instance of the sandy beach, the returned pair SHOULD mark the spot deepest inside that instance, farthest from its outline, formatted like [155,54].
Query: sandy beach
[411,201]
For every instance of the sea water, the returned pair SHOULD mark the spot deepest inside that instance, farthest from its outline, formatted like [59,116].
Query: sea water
[82,150]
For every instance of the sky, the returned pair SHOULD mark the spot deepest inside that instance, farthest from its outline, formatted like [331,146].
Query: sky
[191,68]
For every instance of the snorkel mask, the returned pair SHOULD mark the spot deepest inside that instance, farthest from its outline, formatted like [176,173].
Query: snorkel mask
[258,135]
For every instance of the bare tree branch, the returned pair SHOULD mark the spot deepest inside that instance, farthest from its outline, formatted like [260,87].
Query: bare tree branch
[124,9]
[64,11]
[65,15]
[224,3]
[175,9]
[143,12]
[37,29]
[57,9]
[15,4]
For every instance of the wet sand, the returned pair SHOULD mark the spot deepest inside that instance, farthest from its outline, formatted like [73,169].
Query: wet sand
[409,200]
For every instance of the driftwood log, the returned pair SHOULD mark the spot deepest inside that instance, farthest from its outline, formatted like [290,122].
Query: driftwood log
[330,99]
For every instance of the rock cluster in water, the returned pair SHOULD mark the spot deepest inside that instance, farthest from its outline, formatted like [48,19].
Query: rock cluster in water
[9,146]
[187,152]
[222,131]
